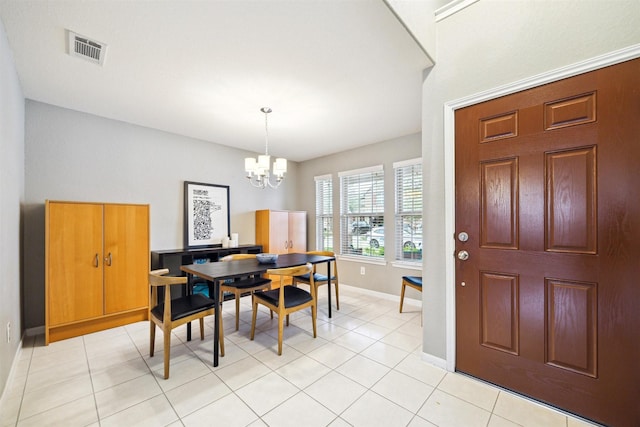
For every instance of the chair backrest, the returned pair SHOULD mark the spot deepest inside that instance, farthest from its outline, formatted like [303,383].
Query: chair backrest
[326,253]
[290,271]
[235,257]
[157,279]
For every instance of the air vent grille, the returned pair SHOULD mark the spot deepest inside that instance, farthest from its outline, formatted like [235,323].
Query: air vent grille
[84,47]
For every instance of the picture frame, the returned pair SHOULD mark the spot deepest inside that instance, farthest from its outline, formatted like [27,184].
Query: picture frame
[206,214]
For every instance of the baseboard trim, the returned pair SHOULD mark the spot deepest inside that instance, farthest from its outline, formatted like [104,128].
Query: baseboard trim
[32,332]
[12,371]
[435,361]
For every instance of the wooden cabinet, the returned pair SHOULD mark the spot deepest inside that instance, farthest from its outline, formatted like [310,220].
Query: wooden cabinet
[97,266]
[281,232]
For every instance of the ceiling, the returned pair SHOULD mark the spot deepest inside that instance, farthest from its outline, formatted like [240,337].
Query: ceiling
[338,74]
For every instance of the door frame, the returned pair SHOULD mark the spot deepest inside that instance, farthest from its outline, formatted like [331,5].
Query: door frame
[601,61]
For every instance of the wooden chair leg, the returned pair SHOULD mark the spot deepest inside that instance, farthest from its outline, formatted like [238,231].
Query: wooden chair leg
[280,333]
[337,297]
[314,313]
[402,296]
[152,337]
[167,351]
[253,318]
[237,296]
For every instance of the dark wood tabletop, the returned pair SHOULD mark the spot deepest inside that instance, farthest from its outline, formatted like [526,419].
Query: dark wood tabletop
[214,272]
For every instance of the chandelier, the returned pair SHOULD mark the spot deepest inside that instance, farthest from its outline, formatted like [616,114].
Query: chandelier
[258,170]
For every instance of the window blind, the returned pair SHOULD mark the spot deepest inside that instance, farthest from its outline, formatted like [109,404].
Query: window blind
[324,213]
[408,215]
[362,212]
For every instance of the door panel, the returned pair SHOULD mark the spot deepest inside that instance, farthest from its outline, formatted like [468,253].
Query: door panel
[297,232]
[547,304]
[75,262]
[126,230]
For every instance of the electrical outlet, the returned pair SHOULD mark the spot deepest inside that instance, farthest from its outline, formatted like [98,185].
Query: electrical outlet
[8,332]
[362,270]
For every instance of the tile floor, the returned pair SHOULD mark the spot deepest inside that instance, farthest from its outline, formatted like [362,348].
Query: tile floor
[363,369]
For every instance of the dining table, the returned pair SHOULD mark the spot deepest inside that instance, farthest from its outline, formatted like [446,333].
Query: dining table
[215,272]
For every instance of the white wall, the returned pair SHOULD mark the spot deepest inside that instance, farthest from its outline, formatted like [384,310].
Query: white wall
[11,199]
[82,157]
[378,277]
[489,44]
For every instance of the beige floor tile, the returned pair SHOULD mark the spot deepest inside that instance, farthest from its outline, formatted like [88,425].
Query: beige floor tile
[354,341]
[445,410]
[241,373]
[469,390]
[44,378]
[374,410]
[80,412]
[373,330]
[153,412]
[274,361]
[420,422]
[402,340]
[527,413]
[299,410]
[403,390]
[417,368]
[267,392]
[126,395]
[197,394]
[496,421]
[43,399]
[229,411]
[118,374]
[386,354]
[363,371]
[331,355]
[335,391]
[330,331]
[303,371]
[181,373]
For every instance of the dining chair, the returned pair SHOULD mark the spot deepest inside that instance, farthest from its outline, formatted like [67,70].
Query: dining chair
[171,313]
[321,279]
[414,282]
[242,286]
[286,299]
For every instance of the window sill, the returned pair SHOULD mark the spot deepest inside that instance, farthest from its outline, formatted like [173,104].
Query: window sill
[407,265]
[361,260]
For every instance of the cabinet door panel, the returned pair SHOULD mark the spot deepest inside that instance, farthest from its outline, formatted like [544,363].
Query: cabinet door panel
[74,257]
[279,232]
[297,232]
[126,254]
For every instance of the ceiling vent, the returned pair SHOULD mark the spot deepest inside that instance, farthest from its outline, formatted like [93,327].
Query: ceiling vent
[84,47]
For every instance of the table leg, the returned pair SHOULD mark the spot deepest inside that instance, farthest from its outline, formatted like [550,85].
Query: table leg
[329,285]
[189,291]
[216,325]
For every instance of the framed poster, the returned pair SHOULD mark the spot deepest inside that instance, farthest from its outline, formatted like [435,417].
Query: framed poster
[206,214]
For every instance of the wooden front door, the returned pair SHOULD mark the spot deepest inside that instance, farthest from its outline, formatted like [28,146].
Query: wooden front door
[548,191]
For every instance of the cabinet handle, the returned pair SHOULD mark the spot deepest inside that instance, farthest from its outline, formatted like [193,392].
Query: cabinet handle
[107,259]
[95,261]
[286,244]
[290,244]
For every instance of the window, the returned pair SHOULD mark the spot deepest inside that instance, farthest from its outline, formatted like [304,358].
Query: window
[324,213]
[408,227]
[362,212]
